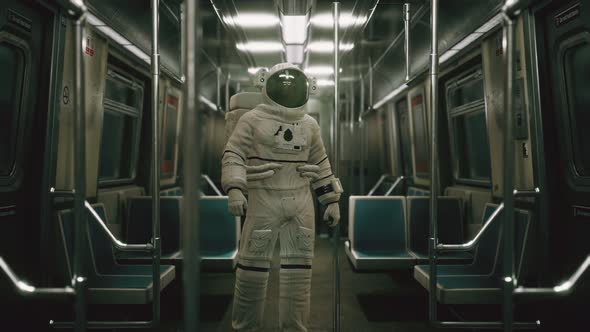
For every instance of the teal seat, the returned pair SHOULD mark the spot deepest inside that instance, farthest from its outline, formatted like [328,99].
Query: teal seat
[219,234]
[377,233]
[108,282]
[480,282]
[450,228]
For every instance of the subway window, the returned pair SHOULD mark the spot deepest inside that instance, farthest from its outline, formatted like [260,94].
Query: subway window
[577,70]
[12,66]
[468,129]
[420,127]
[123,100]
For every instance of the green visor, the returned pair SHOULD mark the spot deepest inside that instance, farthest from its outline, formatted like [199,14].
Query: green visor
[288,88]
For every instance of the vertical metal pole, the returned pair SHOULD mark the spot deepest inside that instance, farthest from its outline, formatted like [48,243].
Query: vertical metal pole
[336,163]
[508,228]
[192,136]
[227,96]
[433,160]
[218,96]
[79,278]
[407,38]
[362,137]
[370,82]
[155,61]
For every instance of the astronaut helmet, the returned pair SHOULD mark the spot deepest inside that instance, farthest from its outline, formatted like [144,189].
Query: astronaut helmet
[285,87]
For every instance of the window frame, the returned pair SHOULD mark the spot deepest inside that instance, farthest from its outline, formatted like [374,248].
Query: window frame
[172,92]
[575,179]
[10,181]
[116,73]
[406,158]
[473,107]
[412,94]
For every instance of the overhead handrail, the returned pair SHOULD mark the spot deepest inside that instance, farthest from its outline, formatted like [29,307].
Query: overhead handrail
[394,185]
[211,184]
[471,244]
[25,289]
[563,289]
[116,242]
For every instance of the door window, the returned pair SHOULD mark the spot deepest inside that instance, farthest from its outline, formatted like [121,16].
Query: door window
[12,67]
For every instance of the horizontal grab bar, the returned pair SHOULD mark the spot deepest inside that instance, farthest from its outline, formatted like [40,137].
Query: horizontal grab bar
[62,192]
[25,289]
[469,245]
[527,193]
[563,289]
[118,244]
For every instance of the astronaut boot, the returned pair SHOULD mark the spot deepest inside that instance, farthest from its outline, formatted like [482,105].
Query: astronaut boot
[249,297]
[294,297]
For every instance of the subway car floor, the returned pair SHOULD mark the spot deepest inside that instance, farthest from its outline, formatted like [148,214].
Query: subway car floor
[388,301]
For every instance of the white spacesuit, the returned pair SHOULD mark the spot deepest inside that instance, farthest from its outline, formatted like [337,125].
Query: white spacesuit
[273,154]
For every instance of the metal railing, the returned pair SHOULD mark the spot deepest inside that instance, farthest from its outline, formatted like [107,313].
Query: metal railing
[25,289]
[116,242]
[211,184]
[563,289]
[471,244]
[391,188]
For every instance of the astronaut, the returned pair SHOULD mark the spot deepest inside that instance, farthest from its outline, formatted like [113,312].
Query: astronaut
[272,156]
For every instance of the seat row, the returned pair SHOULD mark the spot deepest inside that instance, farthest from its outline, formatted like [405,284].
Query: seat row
[126,277]
[392,232]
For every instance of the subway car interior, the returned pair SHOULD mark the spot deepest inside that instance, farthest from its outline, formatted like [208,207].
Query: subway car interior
[442,135]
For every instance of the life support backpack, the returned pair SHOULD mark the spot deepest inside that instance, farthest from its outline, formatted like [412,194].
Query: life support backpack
[239,104]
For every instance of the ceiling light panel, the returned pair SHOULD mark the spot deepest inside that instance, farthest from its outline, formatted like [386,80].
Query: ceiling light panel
[326,21]
[327,46]
[319,70]
[260,47]
[252,20]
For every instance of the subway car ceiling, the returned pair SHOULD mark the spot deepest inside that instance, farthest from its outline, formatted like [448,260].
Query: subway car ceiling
[137,137]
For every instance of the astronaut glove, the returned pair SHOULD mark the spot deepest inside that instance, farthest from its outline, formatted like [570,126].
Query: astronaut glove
[257,173]
[332,214]
[237,202]
[309,171]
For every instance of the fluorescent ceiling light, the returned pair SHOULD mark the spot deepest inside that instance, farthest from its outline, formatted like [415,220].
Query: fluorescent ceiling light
[328,46]
[294,28]
[319,70]
[325,20]
[252,20]
[295,54]
[325,82]
[260,47]
[254,70]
